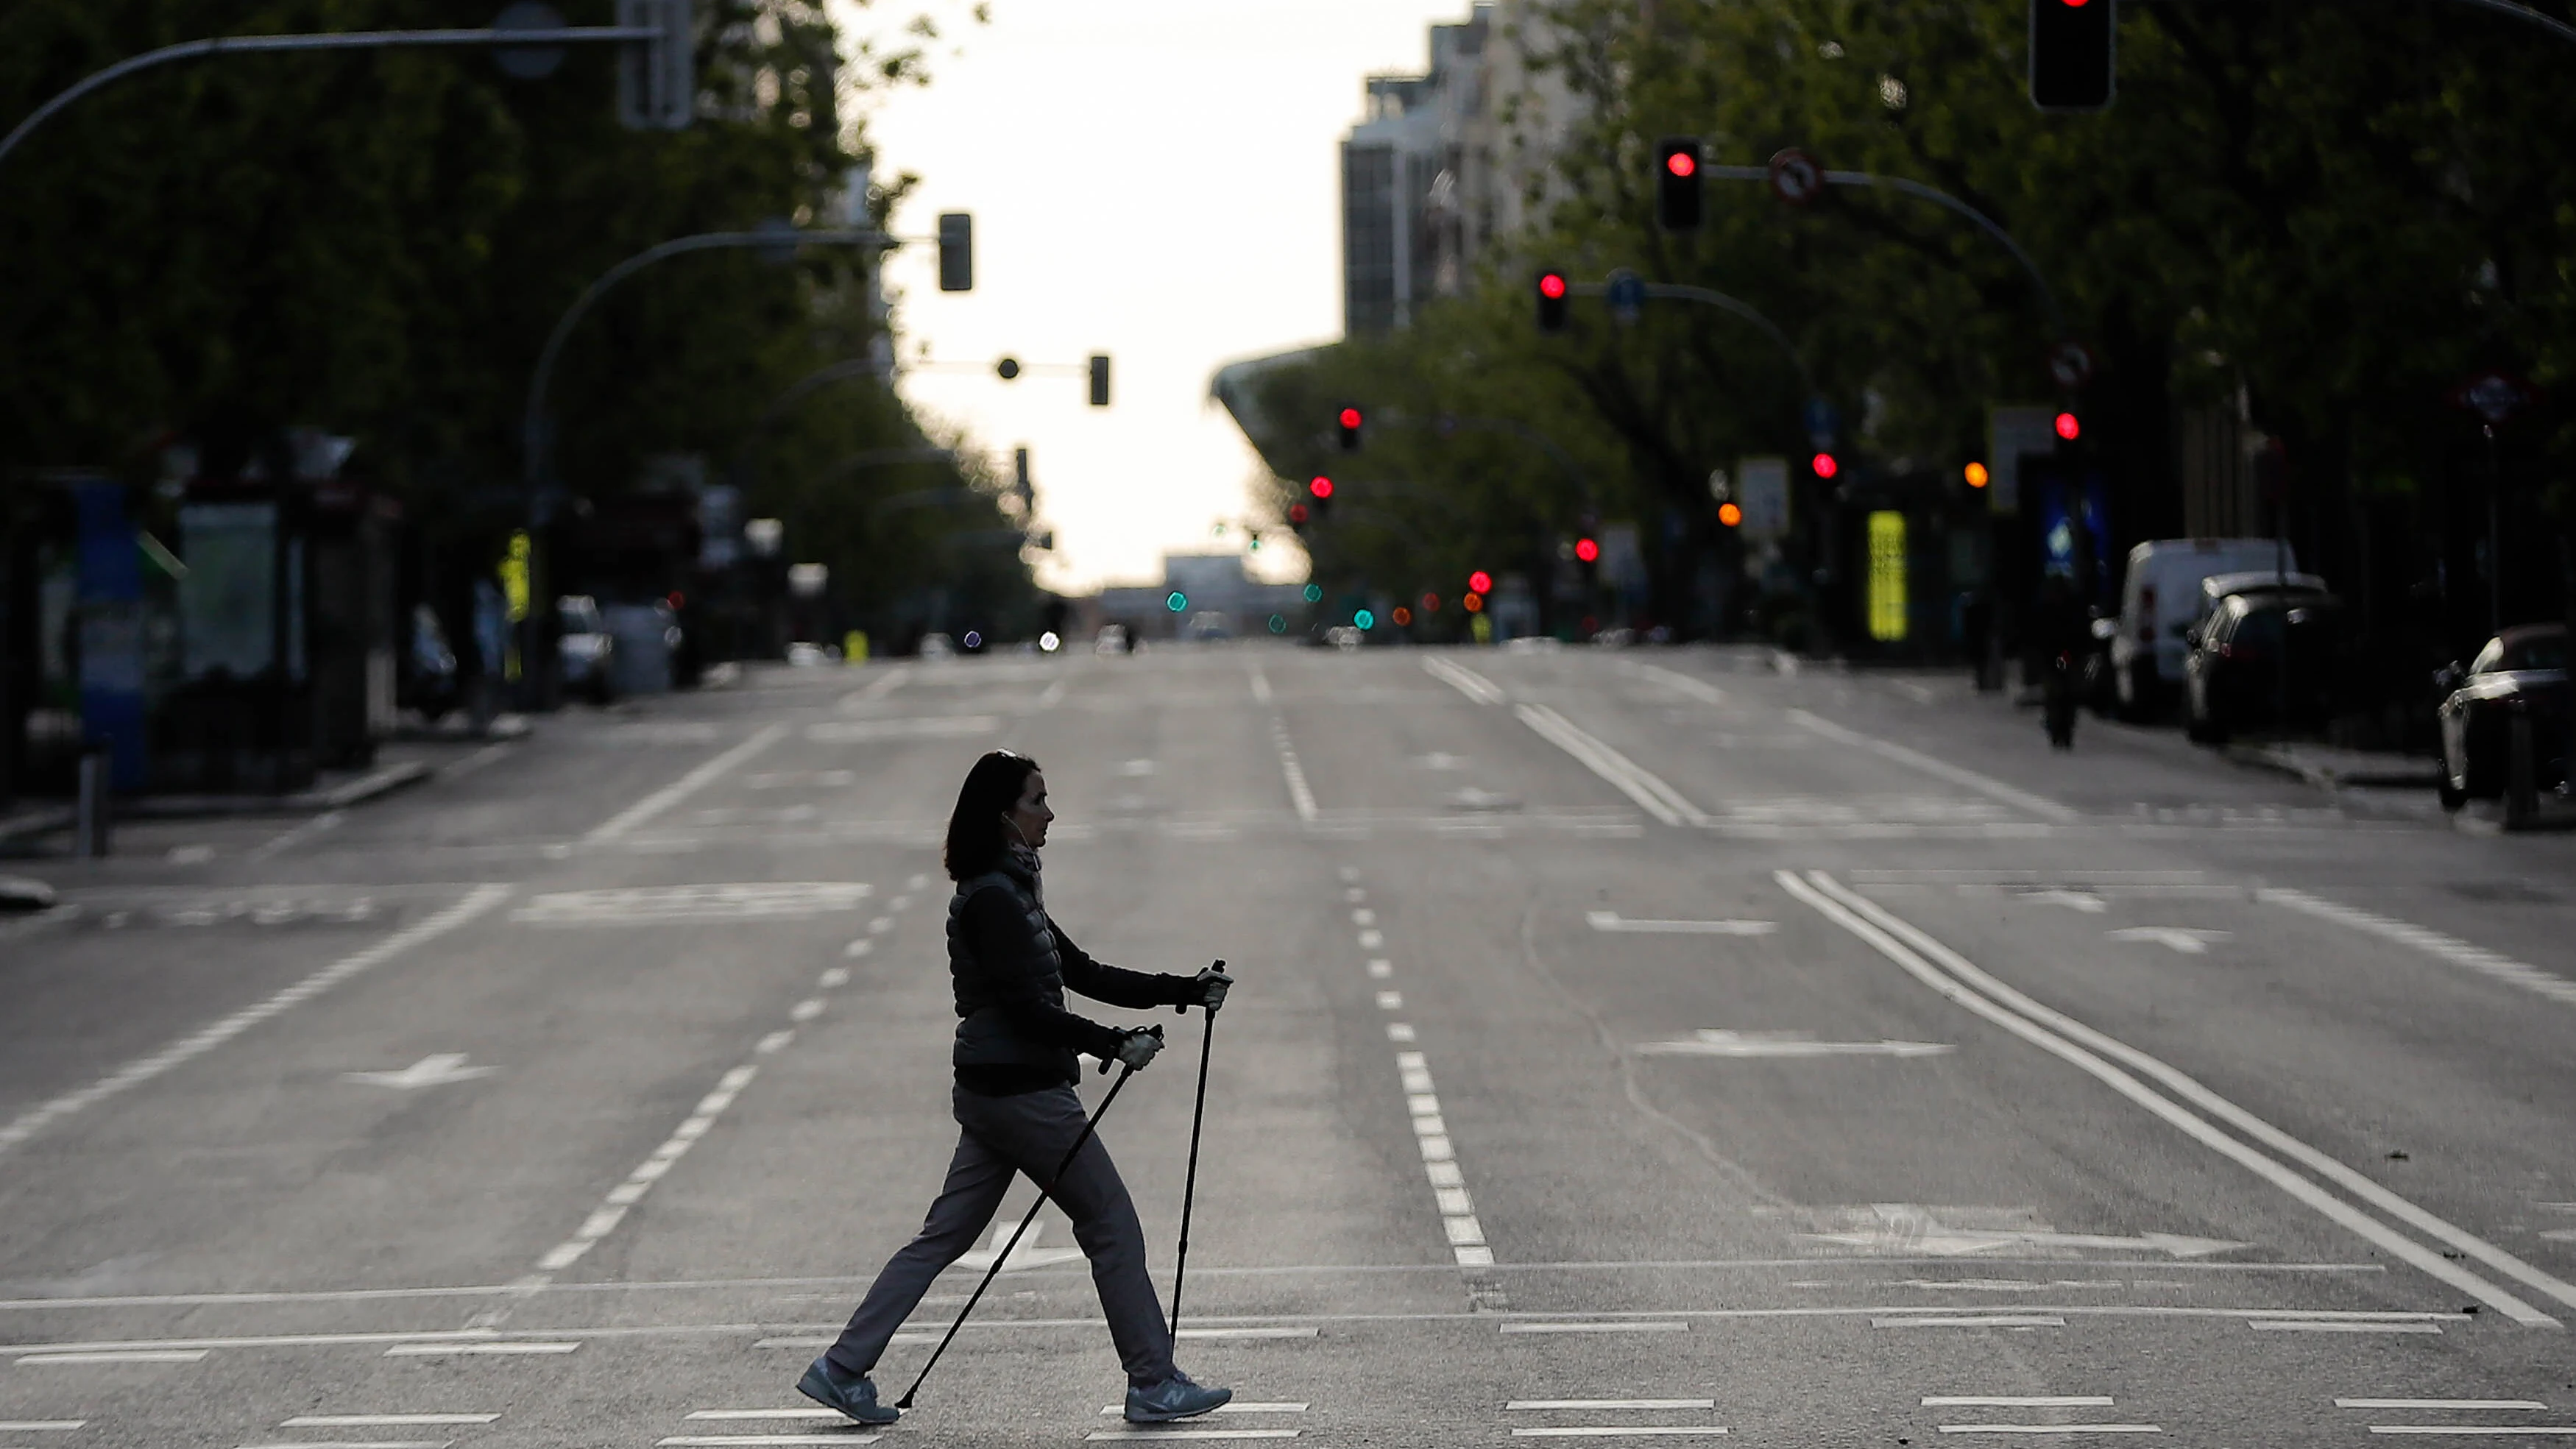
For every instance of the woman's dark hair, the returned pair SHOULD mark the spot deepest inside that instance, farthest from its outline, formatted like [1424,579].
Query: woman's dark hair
[975,826]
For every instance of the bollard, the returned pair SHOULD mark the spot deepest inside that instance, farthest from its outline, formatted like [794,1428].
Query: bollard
[89,829]
[2521,781]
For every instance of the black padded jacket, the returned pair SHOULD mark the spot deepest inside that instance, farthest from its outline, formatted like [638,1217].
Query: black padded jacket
[1010,965]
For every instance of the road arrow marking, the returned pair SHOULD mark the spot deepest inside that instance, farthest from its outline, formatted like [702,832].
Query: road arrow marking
[436,1070]
[1706,1043]
[2184,939]
[1613,921]
[1024,1255]
[2085,901]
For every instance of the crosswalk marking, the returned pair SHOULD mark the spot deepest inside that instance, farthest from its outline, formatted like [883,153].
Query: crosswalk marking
[1237,1407]
[2010,1401]
[1657,1325]
[2051,1429]
[706,1441]
[2308,1325]
[387,1421]
[1113,1435]
[1607,1404]
[427,1350]
[38,1426]
[2477,1404]
[134,1355]
[2556,1431]
[802,1411]
[1619,1431]
[1973,1320]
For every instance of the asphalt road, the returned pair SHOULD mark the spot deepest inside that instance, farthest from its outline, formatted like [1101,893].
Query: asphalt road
[1641,1046]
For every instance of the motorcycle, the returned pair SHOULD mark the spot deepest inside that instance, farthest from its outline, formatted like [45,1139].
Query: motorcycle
[2058,700]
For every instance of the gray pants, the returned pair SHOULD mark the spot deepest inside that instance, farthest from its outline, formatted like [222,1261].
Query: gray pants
[1027,1133]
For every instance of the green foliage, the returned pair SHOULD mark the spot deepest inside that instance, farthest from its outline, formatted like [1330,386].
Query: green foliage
[377,243]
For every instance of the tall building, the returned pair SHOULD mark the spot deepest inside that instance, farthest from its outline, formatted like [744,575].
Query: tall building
[1443,164]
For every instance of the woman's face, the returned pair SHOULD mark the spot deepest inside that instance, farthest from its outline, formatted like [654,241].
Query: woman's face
[1029,816]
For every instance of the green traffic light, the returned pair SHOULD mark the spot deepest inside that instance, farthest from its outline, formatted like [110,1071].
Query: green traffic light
[1278,625]
[1177,602]
[1314,593]
[1364,619]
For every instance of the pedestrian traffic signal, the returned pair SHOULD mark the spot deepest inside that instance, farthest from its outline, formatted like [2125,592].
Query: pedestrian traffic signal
[1349,421]
[2074,47]
[1100,379]
[1976,475]
[956,251]
[1824,465]
[1729,515]
[1587,550]
[1480,582]
[2068,428]
[1322,487]
[1678,186]
[1552,292]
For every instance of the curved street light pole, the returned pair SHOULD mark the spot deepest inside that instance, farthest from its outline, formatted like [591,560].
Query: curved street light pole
[1710,297]
[534,440]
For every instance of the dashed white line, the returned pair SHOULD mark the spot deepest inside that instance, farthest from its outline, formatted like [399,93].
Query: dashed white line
[1462,679]
[1623,1325]
[2555,1431]
[1117,1435]
[2304,1325]
[38,1426]
[1631,779]
[1623,1431]
[1299,793]
[506,1348]
[131,1355]
[1261,686]
[1608,1404]
[2051,1429]
[1237,1407]
[710,1440]
[2433,943]
[205,1039]
[381,1421]
[2478,1405]
[1972,1320]
[1613,921]
[2017,1401]
[1698,689]
[1986,785]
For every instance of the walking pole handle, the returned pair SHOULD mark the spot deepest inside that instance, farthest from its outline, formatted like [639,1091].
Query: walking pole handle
[1217,965]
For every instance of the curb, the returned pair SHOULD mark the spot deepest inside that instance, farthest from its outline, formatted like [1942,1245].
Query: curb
[2405,773]
[303,802]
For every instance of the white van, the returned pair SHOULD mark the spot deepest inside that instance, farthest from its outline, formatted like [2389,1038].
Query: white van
[2159,601]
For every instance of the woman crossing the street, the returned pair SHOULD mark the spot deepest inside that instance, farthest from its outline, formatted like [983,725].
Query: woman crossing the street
[1016,1062]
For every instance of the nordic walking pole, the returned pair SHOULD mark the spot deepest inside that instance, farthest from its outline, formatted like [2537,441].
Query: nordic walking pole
[1190,1184]
[1004,1256]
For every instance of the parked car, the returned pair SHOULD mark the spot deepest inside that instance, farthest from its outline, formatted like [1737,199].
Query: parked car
[2234,679]
[2159,602]
[584,649]
[2523,667]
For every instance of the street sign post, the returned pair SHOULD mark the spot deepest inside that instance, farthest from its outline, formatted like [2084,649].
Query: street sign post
[1795,177]
[1626,292]
[2070,364]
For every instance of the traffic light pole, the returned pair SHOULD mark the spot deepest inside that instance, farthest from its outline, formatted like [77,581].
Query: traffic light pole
[306,44]
[1683,292]
[1921,192]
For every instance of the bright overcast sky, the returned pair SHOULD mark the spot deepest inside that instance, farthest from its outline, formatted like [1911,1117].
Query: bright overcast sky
[1154,179]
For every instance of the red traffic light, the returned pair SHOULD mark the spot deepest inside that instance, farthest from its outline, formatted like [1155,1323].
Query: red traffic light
[1587,550]
[1682,163]
[1825,465]
[1350,417]
[2068,428]
[1431,603]
[1322,487]
[1480,582]
[1296,513]
[1551,285]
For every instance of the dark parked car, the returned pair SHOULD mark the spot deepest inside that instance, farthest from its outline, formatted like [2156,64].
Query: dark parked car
[2523,667]
[2233,679]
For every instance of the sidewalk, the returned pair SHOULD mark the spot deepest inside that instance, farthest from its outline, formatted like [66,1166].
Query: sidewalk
[398,766]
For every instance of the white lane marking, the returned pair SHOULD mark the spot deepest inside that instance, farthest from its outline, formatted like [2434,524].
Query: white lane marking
[683,787]
[807,1411]
[1458,1224]
[503,1349]
[38,1426]
[1372,940]
[1381,969]
[2084,901]
[833,978]
[1260,687]
[2433,943]
[1390,1001]
[1606,1404]
[1613,921]
[931,727]
[328,820]
[1223,1333]
[1631,779]
[356,1444]
[205,1039]
[2184,939]
[1630,1325]
[1363,917]
[1053,694]
[879,687]
[1621,1431]
[1986,785]
[657,905]
[459,769]
[1915,1231]
[1108,1411]
[2298,1325]
[361,1421]
[2477,1404]
[1299,793]
[128,1355]
[1112,1435]
[436,1070]
[2017,1401]
[2053,1031]
[1399,1031]
[2051,1429]
[1698,689]
[858,948]
[1971,1320]
[677,1440]
[2559,1431]
[806,1010]
[1462,679]
[1784,1045]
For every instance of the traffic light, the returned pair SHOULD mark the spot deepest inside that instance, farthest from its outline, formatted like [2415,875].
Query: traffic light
[1480,582]
[1678,187]
[2069,427]
[1349,421]
[1552,292]
[2074,46]
[1729,515]
[1976,475]
[1824,465]
[1297,515]
[1100,379]
[956,251]
[1321,490]
[657,87]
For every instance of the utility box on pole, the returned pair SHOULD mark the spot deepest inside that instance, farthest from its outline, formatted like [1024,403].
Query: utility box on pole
[657,80]
[1100,379]
[956,251]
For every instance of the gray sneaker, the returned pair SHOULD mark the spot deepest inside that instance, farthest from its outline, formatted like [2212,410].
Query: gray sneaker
[1174,1398]
[855,1397]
